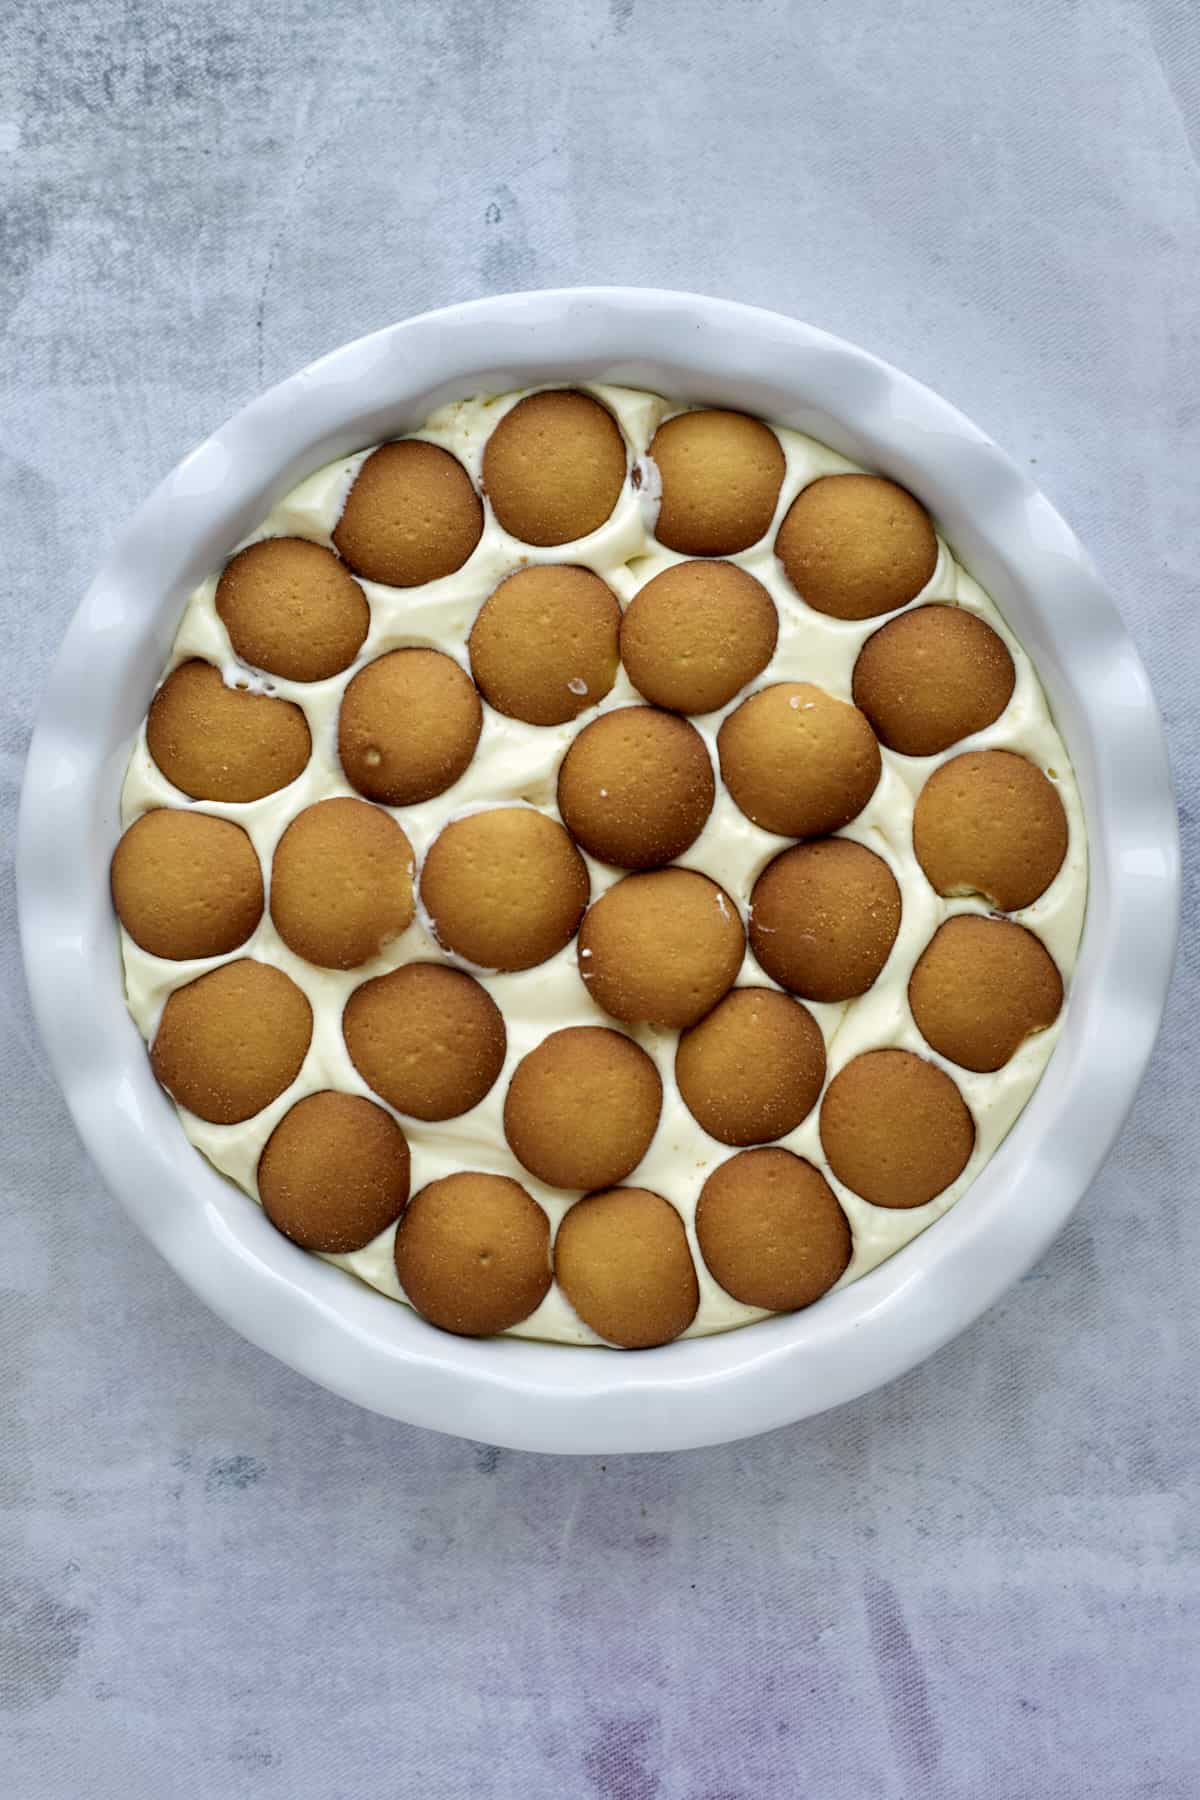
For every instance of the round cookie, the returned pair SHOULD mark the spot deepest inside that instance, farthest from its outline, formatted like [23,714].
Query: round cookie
[931,677]
[545,644]
[221,743]
[824,917]
[505,888]
[661,948]
[988,822]
[341,883]
[292,608]
[411,516]
[554,467]
[721,475]
[408,726]
[696,634]
[582,1107]
[895,1128]
[185,884]
[622,1260]
[771,1231]
[334,1172]
[797,761]
[429,1040]
[231,1041]
[636,787]
[473,1253]
[752,1070]
[980,988]
[855,546]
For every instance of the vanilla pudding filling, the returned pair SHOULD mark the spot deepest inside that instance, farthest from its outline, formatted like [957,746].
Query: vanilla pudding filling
[517,763]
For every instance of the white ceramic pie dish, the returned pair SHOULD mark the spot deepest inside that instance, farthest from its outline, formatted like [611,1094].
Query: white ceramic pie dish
[517,1392]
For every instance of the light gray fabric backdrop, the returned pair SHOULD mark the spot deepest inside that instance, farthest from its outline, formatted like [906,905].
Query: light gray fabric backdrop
[216,1580]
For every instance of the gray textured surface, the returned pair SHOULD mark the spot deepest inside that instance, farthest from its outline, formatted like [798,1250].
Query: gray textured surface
[214,1579]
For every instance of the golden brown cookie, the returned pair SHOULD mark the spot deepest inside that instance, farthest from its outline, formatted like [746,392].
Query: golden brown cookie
[636,787]
[895,1128]
[554,467]
[504,888]
[988,822]
[797,761]
[185,884]
[622,1260]
[771,1231]
[855,546]
[408,726]
[429,1040]
[824,917]
[220,743]
[582,1108]
[753,1068]
[341,883]
[696,634]
[334,1172]
[473,1253]
[544,646]
[411,516]
[931,677]
[980,988]
[721,474]
[292,608]
[231,1041]
[661,948]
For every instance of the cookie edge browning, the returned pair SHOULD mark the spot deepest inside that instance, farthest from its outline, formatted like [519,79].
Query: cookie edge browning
[554,1176]
[1040,955]
[406,900]
[156,1052]
[498,1046]
[356,567]
[856,613]
[488,476]
[731,747]
[239,636]
[991,645]
[118,881]
[630,624]
[566,712]
[494,1327]
[814,1048]
[1018,895]
[772,965]
[678,1021]
[271,1204]
[741,544]
[605,849]
[961,1112]
[155,713]
[713,1193]
[570,1224]
[356,768]
[579,872]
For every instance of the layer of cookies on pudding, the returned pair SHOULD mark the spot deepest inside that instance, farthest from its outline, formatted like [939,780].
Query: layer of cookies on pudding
[292,608]
[545,645]
[636,787]
[855,546]
[721,473]
[334,1173]
[214,741]
[186,884]
[598,869]
[771,1231]
[697,634]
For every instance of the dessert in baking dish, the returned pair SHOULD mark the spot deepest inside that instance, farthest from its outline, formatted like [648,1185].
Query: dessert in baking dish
[598,869]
